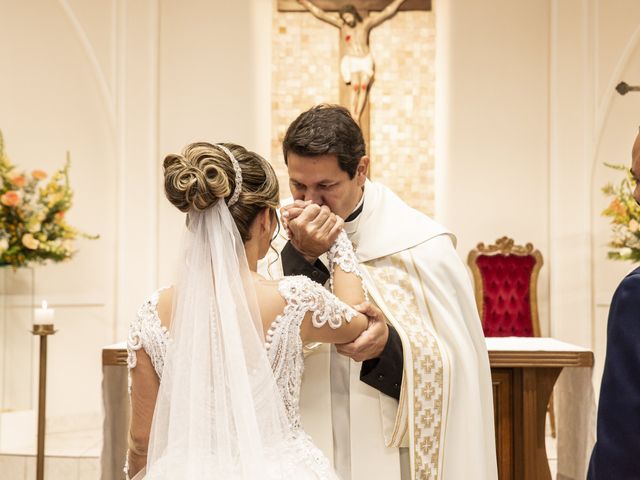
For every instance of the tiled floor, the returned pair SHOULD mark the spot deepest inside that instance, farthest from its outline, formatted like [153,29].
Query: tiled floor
[70,455]
[81,443]
[75,456]
[22,467]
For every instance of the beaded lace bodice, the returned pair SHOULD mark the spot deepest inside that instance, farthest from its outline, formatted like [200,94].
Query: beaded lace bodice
[282,342]
[302,295]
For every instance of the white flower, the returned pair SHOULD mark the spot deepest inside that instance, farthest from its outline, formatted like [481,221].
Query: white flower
[34,227]
[625,252]
[67,245]
[4,244]
[634,226]
[634,242]
[30,242]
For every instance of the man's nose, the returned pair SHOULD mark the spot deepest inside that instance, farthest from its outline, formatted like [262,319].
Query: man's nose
[314,197]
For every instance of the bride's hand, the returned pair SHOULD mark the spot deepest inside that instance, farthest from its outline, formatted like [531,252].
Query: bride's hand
[292,211]
[314,230]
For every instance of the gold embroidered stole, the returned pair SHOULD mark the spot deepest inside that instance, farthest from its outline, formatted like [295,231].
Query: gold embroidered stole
[395,286]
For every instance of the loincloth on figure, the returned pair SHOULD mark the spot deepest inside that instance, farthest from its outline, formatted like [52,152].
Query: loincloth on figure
[351,64]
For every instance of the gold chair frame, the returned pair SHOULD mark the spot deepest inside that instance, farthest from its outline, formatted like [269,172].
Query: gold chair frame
[507,246]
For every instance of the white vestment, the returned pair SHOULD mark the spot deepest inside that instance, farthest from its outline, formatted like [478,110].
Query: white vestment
[445,412]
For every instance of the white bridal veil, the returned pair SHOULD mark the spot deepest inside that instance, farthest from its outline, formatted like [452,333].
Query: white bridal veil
[218,412]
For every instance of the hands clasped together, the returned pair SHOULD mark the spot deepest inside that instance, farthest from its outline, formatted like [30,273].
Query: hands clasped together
[312,229]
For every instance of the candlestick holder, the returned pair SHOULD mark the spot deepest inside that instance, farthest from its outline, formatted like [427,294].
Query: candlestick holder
[43,331]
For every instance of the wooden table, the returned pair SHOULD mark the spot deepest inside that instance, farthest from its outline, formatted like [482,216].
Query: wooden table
[523,371]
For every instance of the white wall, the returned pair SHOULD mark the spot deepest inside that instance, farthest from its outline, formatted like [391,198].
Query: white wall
[120,84]
[57,93]
[526,116]
[214,67]
[492,138]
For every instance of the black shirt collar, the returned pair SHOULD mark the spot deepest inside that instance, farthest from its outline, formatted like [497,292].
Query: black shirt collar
[355,213]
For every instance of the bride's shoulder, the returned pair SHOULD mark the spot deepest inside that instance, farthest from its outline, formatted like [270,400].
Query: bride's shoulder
[284,286]
[301,294]
[286,289]
[296,284]
[157,306]
[149,330]
[275,295]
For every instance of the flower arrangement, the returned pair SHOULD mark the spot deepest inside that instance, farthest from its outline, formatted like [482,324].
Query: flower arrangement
[625,218]
[32,215]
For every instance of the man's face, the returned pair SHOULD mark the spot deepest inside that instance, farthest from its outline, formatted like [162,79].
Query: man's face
[635,167]
[321,180]
[349,19]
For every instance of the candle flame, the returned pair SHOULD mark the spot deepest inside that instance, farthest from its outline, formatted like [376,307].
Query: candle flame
[44,304]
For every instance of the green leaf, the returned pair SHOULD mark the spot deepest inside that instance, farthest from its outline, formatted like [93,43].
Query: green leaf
[616,166]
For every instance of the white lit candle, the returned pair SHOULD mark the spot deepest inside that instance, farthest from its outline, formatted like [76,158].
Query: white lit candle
[44,315]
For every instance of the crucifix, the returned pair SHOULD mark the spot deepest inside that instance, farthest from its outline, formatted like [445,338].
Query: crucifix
[354,24]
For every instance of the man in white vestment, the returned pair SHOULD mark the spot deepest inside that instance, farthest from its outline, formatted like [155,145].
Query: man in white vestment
[411,398]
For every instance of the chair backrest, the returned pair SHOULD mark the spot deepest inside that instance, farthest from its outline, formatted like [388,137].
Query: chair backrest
[506,277]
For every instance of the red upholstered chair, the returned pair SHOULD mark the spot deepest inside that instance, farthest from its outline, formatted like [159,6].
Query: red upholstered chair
[506,278]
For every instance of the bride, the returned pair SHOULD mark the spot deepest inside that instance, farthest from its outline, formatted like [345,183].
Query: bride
[216,360]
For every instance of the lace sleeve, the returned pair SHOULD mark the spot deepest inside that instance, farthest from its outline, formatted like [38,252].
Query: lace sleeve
[304,295]
[341,253]
[147,332]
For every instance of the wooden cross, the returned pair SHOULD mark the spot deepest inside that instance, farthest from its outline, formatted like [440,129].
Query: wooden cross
[364,7]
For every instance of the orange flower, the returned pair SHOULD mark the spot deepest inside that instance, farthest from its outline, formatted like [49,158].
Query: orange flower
[11,199]
[59,216]
[19,181]
[39,174]
[617,207]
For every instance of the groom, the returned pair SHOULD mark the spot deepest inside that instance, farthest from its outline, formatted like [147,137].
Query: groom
[424,381]
[616,453]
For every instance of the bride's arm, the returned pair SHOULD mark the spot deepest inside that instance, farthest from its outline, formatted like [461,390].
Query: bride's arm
[144,390]
[346,280]
[348,290]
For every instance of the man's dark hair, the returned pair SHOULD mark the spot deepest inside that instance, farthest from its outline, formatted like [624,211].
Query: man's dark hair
[326,130]
[350,9]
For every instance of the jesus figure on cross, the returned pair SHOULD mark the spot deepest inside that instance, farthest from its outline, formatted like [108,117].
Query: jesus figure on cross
[356,65]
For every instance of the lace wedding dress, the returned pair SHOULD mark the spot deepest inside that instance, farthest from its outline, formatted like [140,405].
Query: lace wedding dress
[299,458]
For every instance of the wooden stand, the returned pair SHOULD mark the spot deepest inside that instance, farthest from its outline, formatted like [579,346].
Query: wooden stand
[522,384]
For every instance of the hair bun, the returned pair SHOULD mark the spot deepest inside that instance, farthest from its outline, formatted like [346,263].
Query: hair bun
[195,183]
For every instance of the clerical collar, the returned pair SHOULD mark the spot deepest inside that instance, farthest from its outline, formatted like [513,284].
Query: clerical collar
[357,211]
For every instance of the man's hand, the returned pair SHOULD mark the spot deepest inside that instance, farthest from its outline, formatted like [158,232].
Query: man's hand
[291,211]
[370,344]
[314,230]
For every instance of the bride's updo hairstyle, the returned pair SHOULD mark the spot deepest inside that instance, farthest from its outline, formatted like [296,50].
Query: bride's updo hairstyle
[203,175]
